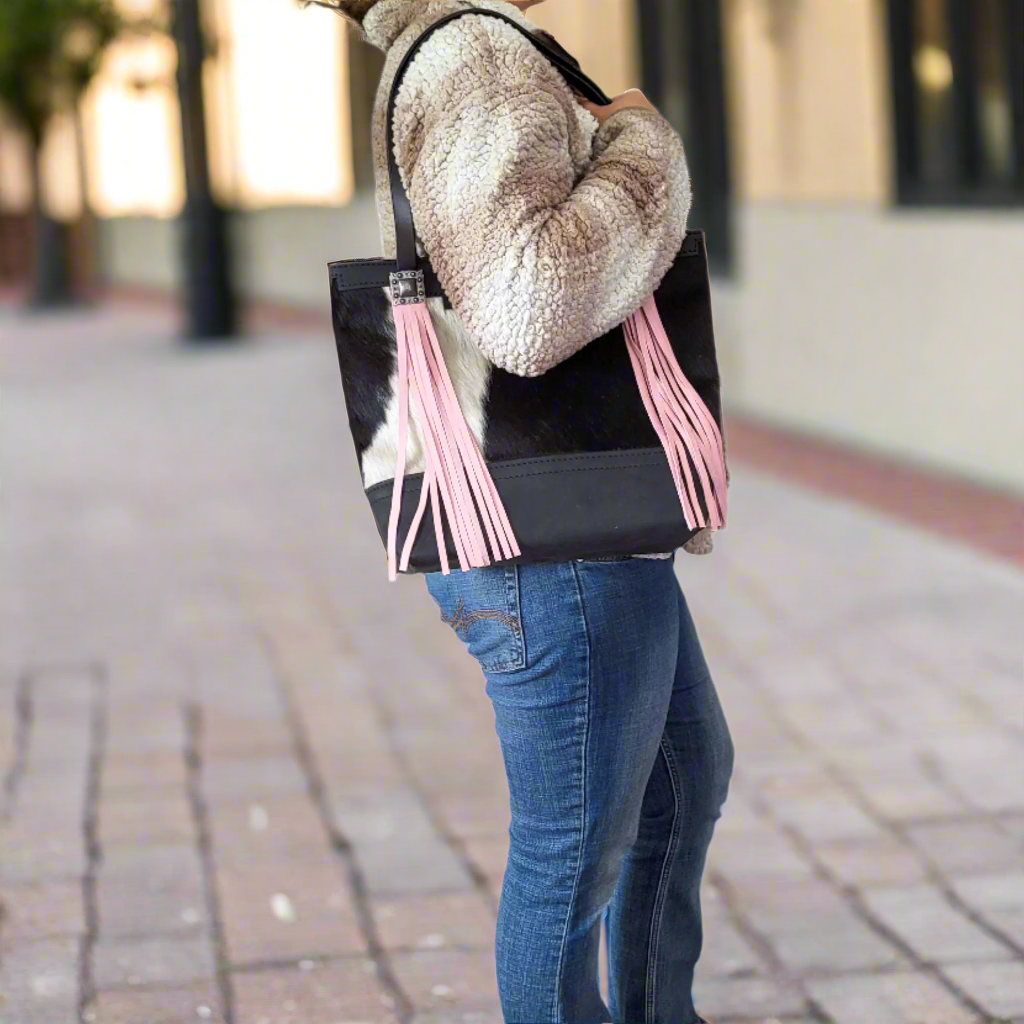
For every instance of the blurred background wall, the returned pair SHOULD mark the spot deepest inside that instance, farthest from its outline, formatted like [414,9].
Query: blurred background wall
[858,165]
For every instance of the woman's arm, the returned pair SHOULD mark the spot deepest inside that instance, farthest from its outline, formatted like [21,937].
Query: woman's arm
[536,263]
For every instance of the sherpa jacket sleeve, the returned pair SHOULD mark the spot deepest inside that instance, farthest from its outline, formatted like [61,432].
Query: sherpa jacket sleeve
[536,260]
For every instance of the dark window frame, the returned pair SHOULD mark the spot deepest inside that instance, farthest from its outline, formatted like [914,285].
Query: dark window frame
[969,189]
[702,53]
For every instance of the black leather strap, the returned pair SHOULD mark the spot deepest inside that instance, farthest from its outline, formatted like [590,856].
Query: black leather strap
[359,275]
[405,229]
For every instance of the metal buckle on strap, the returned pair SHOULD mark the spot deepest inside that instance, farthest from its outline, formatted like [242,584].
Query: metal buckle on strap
[408,287]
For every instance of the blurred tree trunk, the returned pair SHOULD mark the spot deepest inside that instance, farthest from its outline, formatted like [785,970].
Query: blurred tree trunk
[210,304]
[51,277]
[365,64]
[91,278]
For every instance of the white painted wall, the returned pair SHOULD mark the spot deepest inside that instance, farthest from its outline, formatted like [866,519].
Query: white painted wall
[282,253]
[140,251]
[900,331]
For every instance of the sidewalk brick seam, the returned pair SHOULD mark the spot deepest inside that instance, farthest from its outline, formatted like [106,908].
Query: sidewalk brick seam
[398,753]
[1012,729]
[849,894]
[922,965]
[94,853]
[318,792]
[855,897]
[192,722]
[759,942]
[936,876]
[19,745]
[304,963]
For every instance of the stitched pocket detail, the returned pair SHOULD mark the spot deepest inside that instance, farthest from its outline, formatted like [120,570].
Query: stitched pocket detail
[482,607]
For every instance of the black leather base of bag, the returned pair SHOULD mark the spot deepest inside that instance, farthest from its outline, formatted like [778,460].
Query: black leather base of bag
[572,453]
[566,507]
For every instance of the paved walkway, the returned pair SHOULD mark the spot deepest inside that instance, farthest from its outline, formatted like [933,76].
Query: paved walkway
[243,779]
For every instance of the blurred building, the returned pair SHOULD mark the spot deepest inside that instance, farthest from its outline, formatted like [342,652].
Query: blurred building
[858,165]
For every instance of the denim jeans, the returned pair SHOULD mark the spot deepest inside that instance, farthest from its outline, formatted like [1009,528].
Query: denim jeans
[618,760]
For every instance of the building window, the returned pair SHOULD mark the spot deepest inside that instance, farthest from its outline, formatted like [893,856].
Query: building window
[684,75]
[278,105]
[958,91]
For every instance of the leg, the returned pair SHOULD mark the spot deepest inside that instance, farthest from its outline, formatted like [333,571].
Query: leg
[654,924]
[580,660]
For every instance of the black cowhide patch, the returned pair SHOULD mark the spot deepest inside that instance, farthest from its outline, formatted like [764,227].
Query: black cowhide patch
[365,336]
[591,402]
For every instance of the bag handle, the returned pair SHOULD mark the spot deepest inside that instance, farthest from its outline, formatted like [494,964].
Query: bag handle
[405,229]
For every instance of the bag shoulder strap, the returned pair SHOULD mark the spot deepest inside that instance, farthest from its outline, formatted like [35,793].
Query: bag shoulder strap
[405,229]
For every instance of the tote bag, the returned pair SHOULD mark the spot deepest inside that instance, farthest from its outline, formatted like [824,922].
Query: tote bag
[616,451]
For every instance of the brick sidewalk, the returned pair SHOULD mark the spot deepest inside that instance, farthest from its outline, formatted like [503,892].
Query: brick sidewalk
[243,779]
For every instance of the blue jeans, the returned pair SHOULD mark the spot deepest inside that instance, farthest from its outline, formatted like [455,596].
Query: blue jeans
[618,760]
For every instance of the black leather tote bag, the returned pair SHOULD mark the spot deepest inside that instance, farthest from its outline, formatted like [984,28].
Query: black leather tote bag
[617,451]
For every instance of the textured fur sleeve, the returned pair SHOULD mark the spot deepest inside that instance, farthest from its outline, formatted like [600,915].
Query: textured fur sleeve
[544,235]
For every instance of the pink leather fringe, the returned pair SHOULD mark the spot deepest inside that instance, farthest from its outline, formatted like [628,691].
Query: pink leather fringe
[688,432]
[456,480]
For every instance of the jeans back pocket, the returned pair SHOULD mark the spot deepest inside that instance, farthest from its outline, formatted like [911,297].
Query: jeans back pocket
[482,606]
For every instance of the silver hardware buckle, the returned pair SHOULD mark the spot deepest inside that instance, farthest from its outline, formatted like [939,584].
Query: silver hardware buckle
[408,287]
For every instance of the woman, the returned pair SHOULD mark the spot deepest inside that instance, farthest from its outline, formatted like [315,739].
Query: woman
[617,752]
